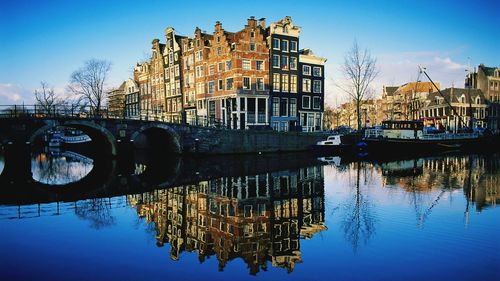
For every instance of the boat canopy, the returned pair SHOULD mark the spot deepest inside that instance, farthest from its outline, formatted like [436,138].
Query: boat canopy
[403,125]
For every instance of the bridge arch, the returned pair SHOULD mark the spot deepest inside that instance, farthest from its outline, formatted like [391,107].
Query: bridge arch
[158,136]
[96,132]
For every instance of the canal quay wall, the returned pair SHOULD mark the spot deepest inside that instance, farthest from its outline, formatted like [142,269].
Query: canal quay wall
[115,136]
[210,141]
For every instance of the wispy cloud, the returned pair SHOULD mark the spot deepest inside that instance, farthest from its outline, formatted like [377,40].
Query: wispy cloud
[399,68]
[14,94]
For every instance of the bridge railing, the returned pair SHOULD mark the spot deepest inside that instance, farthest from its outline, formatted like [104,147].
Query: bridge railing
[84,112]
[42,111]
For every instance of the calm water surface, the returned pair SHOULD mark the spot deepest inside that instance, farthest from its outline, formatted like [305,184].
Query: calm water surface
[431,218]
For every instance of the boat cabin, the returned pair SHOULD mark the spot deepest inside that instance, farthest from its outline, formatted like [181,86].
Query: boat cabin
[403,129]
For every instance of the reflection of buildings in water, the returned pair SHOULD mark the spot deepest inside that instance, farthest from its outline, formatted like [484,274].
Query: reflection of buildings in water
[479,176]
[257,218]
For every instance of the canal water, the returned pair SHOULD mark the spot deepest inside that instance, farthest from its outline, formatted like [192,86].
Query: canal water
[282,217]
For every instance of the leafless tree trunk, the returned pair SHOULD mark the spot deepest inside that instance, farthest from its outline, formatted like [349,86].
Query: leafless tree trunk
[47,99]
[360,70]
[88,83]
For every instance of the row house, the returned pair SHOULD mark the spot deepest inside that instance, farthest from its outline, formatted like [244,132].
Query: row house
[284,72]
[404,102]
[157,80]
[172,58]
[487,79]
[312,91]
[438,113]
[256,77]
[142,78]
[132,101]
[237,77]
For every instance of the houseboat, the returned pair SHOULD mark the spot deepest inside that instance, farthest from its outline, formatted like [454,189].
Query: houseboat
[413,137]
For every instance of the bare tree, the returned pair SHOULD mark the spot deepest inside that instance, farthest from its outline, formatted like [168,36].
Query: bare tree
[88,83]
[46,98]
[360,70]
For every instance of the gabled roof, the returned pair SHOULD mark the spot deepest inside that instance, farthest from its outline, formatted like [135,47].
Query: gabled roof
[390,90]
[453,94]
[489,71]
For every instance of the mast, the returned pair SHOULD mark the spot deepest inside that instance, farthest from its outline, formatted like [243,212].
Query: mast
[469,80]
[422,69]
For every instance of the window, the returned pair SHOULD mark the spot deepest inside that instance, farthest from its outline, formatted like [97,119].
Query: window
[276,61]
[219,51]
[293,63]
[317,86]
[284,62]
[293,46]
[276,43]
[284,45]
[177,70]
[210,87]
[220,85]
[284,107]
[316,102]
[260,84]
[218,39]
[211,69]
[252,47]
[246,83]
[246,64]
[259,65]
[306,102]
[199,55]
[276,106]
[306,85]
[200,71]
[276,82]
[229,83]
[306,70]
[293,107]
[200,88]
[317,71]
[252,34]
[229,65]
[220,67]
[293,83]
[284,82]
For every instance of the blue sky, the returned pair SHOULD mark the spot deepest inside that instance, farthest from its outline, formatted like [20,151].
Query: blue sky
[47,40]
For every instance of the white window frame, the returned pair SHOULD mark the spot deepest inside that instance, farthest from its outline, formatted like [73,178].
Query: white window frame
[249,83]
[306,70]
[279,43]
[246,64]
[304,103]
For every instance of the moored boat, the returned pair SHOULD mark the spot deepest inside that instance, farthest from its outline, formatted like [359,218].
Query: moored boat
[412,137]
[333,144]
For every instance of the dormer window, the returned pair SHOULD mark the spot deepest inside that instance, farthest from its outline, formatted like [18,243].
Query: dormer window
[285,29]
[252,34]
[217,39]
[478,100]
[462,99]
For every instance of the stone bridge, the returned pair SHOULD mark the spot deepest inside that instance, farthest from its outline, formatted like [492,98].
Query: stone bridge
[114,134]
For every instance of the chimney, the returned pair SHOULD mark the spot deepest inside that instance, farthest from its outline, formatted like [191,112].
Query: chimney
[251,22]
[218,25]
[262,23]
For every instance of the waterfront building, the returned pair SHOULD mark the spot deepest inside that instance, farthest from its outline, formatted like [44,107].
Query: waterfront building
[143,79]
[172,58]
[132,102]
[157,81]
[116,102]
[487,79]
[437,111]
[237,77]
[311,91]
[404,102]
[283,40]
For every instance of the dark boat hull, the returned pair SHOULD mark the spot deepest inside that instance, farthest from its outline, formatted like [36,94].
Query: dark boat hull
[415,146]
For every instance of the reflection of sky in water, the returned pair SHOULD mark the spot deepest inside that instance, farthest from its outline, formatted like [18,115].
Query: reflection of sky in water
[425,226]
[60,168]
